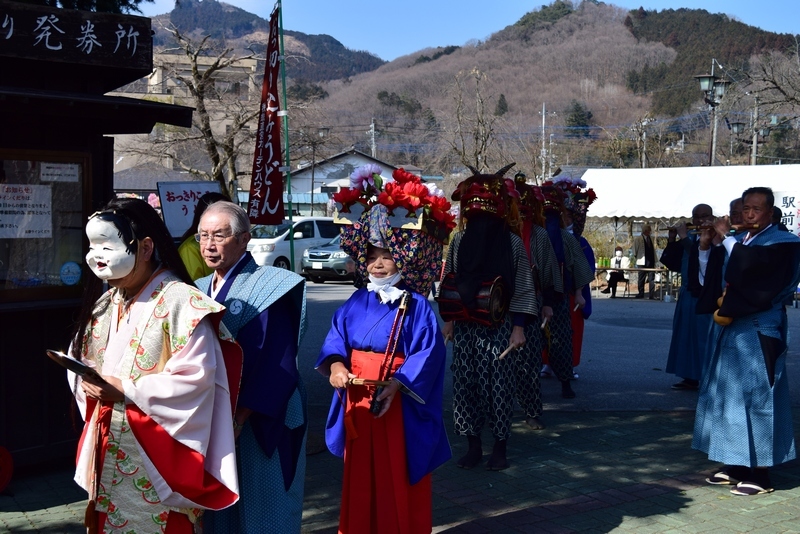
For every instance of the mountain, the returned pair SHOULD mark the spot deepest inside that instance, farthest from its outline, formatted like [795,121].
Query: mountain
[602,73]
[311,58]
[620,67]
[697,36]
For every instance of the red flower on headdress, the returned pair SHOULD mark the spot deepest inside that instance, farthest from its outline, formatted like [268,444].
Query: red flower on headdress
[439,212]
[347,197]
[402,176]
[393,196]
[415,193]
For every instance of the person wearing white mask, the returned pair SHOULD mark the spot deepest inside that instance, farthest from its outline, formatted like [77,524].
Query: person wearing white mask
[392,435]
[614,277]
[158,443]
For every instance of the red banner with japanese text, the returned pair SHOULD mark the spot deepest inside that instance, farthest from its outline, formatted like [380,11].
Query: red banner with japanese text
[266,186]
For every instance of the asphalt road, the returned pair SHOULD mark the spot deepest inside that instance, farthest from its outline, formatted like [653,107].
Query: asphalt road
[625,351]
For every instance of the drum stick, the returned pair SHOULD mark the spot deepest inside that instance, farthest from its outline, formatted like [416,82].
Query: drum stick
[576,307]
[505,352]
[543,323]
[367,382]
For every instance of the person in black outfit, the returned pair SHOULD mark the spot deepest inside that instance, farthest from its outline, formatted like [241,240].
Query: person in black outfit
[644,250]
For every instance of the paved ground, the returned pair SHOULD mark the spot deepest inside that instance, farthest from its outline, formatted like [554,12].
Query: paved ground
[616,459]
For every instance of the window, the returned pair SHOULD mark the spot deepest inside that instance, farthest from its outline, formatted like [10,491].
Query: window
[41,225]
[306,227]
[328,228]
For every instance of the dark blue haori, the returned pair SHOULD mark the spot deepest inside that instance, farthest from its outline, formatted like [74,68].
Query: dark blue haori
[265,313]
[687,349]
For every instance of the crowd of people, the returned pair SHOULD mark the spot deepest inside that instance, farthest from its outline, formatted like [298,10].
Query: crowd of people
[200,404]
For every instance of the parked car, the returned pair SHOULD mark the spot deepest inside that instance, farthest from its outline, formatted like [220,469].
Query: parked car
[328,262]
[270,243]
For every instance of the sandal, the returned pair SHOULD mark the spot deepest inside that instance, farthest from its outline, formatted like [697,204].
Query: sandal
[722,478]
[750,488]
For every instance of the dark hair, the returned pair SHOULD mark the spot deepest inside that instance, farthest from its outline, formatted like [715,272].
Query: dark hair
[135,219]
[777,215]
[202,203]
[766,191]
[618,248]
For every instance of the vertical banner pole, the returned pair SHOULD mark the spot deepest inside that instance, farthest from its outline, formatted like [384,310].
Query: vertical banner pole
[286,140]
[265,205]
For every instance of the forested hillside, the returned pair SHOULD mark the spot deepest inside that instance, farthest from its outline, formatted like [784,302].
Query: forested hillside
[697,36]
[617,87]
[557,56]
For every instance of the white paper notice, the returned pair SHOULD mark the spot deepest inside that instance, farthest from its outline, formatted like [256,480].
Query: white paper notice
[25,211]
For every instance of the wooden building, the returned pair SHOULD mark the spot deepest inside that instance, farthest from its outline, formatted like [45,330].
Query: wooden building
[56,168]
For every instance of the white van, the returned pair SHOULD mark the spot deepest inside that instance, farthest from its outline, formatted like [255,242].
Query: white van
[270,243]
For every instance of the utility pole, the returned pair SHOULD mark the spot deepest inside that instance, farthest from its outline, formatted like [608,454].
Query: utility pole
[644,147]
[371,134]
[313,164]
[754,154]
[544,149]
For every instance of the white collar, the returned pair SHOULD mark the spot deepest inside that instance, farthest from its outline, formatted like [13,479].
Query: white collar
[385,287]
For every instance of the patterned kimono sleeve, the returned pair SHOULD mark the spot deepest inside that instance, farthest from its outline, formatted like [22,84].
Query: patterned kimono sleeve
[452,254]
[524,298]
[575,261]
[548,274]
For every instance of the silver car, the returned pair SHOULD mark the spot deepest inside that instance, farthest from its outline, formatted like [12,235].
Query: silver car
[327,262]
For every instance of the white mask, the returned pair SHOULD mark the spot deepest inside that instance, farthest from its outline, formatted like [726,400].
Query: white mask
[108,257]
[618,253]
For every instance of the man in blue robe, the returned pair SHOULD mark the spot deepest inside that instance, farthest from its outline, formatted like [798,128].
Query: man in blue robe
[687,348]
[266,315]
[744,417]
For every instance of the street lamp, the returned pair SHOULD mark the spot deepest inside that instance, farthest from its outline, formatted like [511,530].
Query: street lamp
[714,89]
[321,132]
[736,128]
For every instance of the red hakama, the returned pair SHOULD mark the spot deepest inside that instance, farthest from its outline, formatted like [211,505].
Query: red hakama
[376,494]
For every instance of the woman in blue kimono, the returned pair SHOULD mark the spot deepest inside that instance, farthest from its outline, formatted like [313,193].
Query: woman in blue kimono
[389,452]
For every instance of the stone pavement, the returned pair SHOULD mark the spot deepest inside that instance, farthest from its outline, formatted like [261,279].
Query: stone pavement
[621,471]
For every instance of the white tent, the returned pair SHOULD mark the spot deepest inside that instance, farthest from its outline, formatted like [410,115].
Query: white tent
[669,193]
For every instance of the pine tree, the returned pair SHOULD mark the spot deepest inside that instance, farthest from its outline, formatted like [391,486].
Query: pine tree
[502,106]
[578,119]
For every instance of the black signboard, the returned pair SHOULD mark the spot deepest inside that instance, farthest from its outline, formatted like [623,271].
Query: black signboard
[65,36]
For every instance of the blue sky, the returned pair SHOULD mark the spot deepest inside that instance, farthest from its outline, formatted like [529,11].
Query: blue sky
[392,29]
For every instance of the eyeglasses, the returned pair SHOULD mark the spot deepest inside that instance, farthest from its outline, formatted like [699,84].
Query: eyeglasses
[216,238]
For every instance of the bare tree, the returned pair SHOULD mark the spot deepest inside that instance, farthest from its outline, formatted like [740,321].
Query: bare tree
[472,135]
[775,78]
[226,110]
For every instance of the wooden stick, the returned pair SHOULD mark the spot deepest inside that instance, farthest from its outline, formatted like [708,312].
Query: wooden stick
[543,323]
[367,382]
[576,307]
[505,352]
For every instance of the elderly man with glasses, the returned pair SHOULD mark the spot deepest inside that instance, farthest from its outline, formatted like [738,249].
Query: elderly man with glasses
[266,315]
